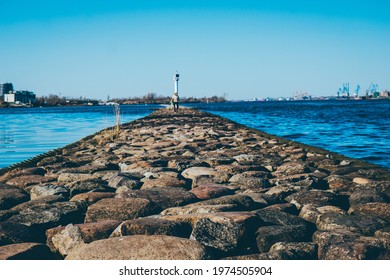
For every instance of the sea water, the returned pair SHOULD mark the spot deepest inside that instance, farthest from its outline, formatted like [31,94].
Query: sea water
[27,132]
[355,128]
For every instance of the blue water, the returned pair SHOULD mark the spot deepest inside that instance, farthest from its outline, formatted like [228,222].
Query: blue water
[357,129]
[27,132]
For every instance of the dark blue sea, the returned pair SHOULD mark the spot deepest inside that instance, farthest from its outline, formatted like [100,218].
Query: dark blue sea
[356,128]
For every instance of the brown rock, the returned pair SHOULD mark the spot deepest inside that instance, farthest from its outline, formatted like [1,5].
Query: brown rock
[29,180]
[26,251]
[163,197]
[316,197]
[120,209]
[141,247]
[92,197]
[164,182]
[211,191]
[292,168]
[243,202]
[16,233]
[73,177]
[360,224]
[11,196]
[377,209]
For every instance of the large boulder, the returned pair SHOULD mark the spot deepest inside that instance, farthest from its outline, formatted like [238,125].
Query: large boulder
[294,251]
[318,198]
[141,247]
[89,185]
[210,191]
[269,235]
[121,209]
[88,232]
[347,245]
[274,217]
[163,197]
[11,196]
[198,209]
[227,233]
[242,201]
[377,209]
[310,212]
[362,196]
[152,226]
[48,190]
[245,181]
[16,233]
[127,180]
[92,197]
[361,224]
[44,216]
[26,251]
[29,180]
[50,199]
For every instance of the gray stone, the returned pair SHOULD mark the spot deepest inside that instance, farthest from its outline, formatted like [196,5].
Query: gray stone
[48,190]
[68,239]
[152,226]
[360,224]
[227,233]
[311,212]
[377,209]
[124,180]
[362,196]
[142,247]
[269,235]
[44,216]
[318,198]
[89,185]
[295,250]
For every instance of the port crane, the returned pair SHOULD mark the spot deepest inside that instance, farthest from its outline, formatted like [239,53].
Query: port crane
[344,91]
[357,90]
[373,88]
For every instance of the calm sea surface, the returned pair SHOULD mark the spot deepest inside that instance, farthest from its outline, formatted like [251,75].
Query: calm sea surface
[27,132]
[358,129]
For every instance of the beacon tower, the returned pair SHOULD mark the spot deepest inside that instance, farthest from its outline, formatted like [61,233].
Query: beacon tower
[176,80]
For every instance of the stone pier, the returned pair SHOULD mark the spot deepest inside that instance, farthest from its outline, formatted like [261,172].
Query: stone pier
[192,185]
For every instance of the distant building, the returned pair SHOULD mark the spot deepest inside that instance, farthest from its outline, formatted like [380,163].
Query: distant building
[24,96]
[385,94]
[5,88]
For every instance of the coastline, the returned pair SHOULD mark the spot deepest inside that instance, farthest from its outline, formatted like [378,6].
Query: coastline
[218,188]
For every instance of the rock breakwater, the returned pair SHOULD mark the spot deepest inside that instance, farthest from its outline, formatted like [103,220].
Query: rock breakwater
[192,185]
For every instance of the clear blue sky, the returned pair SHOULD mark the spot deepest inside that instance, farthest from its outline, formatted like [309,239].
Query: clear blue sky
[245,49]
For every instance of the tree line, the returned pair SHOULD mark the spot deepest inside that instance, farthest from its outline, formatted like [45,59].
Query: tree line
[150,98]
